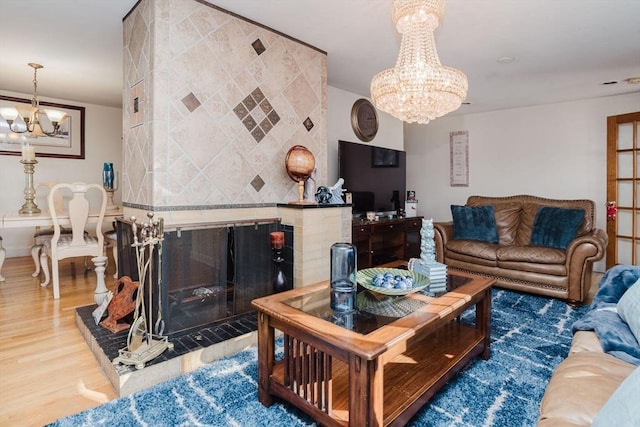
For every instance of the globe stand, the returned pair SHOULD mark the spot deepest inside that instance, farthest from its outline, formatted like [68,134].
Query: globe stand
[301,200]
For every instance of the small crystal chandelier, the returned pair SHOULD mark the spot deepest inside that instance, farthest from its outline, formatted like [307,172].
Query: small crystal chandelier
[32,120]
[419,88]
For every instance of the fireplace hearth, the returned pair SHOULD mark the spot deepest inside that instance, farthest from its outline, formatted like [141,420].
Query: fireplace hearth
[191,349]
[205,279]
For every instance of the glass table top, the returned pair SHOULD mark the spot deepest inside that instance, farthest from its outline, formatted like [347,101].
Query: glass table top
[373,310]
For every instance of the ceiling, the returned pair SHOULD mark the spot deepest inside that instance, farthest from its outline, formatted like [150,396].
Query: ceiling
[563,50]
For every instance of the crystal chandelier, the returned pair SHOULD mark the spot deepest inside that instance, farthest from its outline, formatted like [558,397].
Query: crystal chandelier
[32,120]
[419,88]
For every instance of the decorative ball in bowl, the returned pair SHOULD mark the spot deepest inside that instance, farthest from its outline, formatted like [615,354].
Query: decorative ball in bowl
[391,281]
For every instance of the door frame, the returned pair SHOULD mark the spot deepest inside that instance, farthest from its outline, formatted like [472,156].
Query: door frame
[612,188]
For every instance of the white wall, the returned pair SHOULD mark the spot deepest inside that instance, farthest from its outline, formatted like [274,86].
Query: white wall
[339,103]
[555,151]
[103,143]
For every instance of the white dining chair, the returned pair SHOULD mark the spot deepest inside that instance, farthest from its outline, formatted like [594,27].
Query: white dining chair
[42,235]
[78,243]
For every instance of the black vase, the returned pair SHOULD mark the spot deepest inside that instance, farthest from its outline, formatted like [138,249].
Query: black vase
[279,280]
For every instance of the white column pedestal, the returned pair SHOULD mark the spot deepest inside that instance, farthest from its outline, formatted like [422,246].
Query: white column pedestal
[101,292]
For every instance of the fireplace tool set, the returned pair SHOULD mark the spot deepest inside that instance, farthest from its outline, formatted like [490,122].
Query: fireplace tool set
[146,341]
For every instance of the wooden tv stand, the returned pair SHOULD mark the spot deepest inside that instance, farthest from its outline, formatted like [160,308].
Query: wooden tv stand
[386,240]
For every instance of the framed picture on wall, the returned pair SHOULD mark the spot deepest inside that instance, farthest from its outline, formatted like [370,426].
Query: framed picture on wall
[459,158]
[66,141]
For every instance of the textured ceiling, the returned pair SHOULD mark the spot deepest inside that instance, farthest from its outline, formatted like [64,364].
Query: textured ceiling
[563,49]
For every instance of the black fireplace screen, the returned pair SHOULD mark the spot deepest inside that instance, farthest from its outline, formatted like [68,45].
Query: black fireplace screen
[207,274]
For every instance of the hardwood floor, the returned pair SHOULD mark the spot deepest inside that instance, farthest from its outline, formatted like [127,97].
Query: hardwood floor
[46,369]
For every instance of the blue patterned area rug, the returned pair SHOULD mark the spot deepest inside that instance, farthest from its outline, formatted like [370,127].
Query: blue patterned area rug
[530,336]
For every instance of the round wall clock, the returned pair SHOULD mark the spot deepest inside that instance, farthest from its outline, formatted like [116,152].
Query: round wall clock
[364,119]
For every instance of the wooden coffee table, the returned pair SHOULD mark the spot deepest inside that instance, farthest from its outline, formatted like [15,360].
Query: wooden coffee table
[378,366]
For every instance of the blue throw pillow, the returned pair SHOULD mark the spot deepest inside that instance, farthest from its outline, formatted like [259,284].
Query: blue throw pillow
[621,410]
[474,223]
[555,227]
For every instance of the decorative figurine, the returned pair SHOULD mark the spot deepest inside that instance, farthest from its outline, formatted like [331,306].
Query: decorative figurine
[323,195]
[330,195]
[427,243]
[427,264]
[336,192]
[121,305]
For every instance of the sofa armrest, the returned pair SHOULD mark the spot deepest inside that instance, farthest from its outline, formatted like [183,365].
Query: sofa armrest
[443,232]
[582,252]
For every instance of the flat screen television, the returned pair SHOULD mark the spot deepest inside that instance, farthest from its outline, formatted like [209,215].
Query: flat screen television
[376,177]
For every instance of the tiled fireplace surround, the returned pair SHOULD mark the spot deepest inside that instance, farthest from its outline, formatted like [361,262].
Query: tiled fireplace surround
[211,104]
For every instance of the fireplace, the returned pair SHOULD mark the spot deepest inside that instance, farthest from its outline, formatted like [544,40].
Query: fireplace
[207,274]
[235,250]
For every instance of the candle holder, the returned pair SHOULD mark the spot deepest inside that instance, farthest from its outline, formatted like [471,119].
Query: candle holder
[110,185]
[29,207]
[111,206]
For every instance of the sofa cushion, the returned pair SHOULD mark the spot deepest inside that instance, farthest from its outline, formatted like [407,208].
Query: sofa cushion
[555,227]
[580,387]
[507,215]
[622,407]
[474,223]
[629,309]
[473,251]
[507,221]
[554,275]
[585,341]
[527,216]
[534,254]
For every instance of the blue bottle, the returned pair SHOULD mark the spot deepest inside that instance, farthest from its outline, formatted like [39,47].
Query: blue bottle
[107,176]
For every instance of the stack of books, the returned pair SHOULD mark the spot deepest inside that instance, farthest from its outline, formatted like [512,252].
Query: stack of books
[435,271]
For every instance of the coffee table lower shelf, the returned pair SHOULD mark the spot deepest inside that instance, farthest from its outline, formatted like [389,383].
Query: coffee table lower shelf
[410,379]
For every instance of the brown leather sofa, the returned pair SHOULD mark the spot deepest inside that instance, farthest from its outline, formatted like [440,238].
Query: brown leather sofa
[517,265]
[582,383]
[598,383]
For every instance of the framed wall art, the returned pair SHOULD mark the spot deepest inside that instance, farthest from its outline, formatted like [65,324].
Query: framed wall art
[66,143]
[459,159]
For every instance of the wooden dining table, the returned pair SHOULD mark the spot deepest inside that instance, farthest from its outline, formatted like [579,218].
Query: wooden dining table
[12,219]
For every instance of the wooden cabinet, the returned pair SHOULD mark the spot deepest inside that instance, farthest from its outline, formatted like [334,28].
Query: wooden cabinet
[412,237]
[386,240]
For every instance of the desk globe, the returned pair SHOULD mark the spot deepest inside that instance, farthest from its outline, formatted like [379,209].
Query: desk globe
[299,164]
